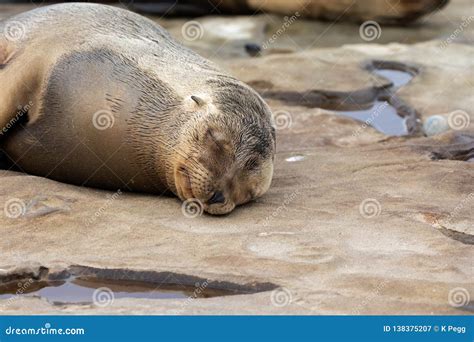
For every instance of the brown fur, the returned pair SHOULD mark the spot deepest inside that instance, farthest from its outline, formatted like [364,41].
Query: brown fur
[179,123]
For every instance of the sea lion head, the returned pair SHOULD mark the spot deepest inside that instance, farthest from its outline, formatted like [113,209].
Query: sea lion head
[225,158]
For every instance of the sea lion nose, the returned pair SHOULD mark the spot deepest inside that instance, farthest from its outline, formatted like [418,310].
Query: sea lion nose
[217,197]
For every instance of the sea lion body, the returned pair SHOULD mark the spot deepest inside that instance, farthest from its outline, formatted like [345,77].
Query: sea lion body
[114,102]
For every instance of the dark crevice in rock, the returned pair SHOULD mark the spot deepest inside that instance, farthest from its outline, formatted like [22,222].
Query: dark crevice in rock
[454,154]
[461,148]
[465,238]
[165,277]
[21,274]
[433,219]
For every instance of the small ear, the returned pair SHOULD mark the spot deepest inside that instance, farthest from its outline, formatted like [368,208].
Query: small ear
[200,102]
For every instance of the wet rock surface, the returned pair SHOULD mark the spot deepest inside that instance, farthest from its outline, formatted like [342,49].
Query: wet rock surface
[356,221]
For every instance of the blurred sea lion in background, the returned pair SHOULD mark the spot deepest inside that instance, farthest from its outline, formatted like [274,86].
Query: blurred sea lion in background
[382,11]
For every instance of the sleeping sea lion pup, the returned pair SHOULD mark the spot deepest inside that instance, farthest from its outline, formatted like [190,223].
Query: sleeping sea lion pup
[99,96]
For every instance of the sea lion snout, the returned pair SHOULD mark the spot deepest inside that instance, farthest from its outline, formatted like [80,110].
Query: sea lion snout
[191,186]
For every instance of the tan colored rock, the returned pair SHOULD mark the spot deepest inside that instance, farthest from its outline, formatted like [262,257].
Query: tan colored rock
[355,222]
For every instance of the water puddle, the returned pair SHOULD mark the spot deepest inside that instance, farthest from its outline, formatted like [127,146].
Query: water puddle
[387,114]
[84,290]
[87,285]
[397,77]
[382,116]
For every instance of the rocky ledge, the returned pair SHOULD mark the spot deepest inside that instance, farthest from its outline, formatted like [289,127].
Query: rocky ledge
[356,221]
